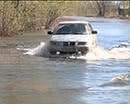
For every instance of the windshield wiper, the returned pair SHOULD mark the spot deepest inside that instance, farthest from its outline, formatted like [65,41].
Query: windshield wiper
[70,33]
[62,33]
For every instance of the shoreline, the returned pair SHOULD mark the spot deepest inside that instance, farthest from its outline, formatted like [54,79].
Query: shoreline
[112,17]
[43,30]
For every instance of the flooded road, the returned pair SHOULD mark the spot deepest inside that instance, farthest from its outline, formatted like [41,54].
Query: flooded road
[28,79]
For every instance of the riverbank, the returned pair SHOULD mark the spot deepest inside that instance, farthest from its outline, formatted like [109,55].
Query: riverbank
[43,31]
[112,17]
[118,17]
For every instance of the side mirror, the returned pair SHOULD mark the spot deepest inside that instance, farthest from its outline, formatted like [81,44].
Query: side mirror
[50,32]
[94,32]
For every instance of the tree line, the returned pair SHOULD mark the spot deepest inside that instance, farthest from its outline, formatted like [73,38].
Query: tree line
[21,16]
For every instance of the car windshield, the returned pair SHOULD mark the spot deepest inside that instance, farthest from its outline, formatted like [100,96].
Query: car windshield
[70,29]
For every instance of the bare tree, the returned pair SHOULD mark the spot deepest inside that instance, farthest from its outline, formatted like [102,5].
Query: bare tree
[102,7]
[95,8]
[20,16]
[50,10]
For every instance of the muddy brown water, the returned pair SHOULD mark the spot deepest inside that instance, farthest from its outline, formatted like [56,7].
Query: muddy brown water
[28,79]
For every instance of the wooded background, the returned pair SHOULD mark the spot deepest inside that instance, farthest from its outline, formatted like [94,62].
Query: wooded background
[21,16]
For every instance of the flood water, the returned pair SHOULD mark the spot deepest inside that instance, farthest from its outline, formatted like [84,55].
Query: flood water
[28,79]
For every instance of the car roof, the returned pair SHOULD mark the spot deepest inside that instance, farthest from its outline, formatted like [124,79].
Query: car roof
[73,22]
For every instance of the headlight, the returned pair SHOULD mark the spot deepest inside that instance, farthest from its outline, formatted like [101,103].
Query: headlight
[82,43]
[56,43]
[52,43]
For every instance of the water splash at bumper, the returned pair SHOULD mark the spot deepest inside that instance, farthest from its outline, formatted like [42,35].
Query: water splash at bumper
[98,53]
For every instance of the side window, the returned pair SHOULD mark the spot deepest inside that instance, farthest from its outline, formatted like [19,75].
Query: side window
[55,29]
[89,28]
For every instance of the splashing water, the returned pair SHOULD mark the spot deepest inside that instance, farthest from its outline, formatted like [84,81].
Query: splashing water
[120,80]
[40,50]
[99,53]
[121,51]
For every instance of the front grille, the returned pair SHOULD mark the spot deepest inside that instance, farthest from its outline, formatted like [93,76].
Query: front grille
[69,43]
[66,44]
[72,43]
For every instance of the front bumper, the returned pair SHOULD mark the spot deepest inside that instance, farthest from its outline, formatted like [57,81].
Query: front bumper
[68,49]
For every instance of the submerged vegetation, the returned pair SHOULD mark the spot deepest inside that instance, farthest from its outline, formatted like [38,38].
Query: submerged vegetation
[20,16]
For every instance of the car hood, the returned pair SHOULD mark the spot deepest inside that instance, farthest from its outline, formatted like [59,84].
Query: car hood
[70,37]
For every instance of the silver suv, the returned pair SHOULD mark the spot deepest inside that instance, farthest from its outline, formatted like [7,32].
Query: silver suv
[72,37]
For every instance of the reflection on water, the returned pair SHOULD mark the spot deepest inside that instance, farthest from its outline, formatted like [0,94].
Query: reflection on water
[28,79]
